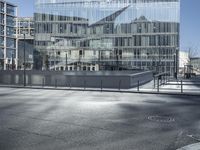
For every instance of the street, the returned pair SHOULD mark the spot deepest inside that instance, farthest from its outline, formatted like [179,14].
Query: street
[73,120]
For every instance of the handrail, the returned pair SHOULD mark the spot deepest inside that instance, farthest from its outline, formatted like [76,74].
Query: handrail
[162,74]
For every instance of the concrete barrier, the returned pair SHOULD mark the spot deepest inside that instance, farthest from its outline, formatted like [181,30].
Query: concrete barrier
[104,79]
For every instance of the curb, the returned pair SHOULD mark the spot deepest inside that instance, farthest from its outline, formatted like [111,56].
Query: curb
[103,90]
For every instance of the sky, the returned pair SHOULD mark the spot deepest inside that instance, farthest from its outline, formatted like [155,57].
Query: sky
[190,22]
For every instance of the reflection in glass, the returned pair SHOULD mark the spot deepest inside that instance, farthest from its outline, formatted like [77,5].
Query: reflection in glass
[108,34]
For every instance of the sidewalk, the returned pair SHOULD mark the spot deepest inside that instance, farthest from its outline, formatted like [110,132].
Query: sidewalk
[145,89]
[195,146]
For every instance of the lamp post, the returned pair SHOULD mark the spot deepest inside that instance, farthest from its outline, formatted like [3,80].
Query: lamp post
[54,52]
[12,65]
[159,55]
[176,63]
[24,60]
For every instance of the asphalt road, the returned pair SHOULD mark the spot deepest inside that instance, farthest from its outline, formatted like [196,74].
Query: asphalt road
[71,120]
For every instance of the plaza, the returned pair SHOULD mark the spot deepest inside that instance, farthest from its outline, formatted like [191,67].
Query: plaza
[60,119]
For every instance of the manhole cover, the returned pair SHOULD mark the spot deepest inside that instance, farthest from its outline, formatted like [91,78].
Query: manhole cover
[161,119]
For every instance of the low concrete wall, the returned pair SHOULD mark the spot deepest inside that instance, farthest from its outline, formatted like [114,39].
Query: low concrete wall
[104,79]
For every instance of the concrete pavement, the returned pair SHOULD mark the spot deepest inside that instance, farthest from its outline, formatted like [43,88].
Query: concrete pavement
[38,119]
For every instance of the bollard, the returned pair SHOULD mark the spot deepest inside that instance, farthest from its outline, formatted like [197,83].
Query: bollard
[56,83]
[181,86]
[101,85]
[119,85]
[154,82]
[158,90]
[43,82]
[70,84]
[138,87]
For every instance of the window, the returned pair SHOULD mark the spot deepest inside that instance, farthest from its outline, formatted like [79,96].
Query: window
[1,53]
[1,19]
[1,7]
[10,31]
[1,30]
[80,53]
[10,53]
[10,21]
[10,10]
[1,41]
[10,43]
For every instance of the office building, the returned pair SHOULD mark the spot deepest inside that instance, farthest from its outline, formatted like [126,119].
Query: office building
[107,34]
[184,61]
[25,32]
[195,63]
[8,42]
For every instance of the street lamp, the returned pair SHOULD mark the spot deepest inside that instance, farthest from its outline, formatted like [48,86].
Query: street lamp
[53,49]
[12,65]
[24,60]
[176,63]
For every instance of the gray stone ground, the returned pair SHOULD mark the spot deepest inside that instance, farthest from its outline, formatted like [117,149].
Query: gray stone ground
[72,120]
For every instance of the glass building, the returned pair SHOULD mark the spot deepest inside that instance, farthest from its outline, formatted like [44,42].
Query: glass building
[25,25]
[107,34]
[8,42]
[25,29]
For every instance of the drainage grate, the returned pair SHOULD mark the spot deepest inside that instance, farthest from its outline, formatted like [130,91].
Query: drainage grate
[163,119]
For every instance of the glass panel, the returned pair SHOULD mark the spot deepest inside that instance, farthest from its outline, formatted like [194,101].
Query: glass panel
[1,7]
[10,43]
[10,21]
[122,33]
[10,10]
[10,53]
[1,53]
[10,31]
[1,30]
[1,19]
[1,41]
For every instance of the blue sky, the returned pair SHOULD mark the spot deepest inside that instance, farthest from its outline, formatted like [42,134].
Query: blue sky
[190,22]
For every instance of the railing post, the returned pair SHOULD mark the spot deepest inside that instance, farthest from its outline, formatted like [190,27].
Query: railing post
[56,83]
[119,85]
[164,79]
[84,84]
[138,87]
[31,81]
[43,80]
[101,85]
[66,83]
[181,86]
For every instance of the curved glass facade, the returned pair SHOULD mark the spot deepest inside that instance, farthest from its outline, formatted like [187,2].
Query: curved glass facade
[108,34]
